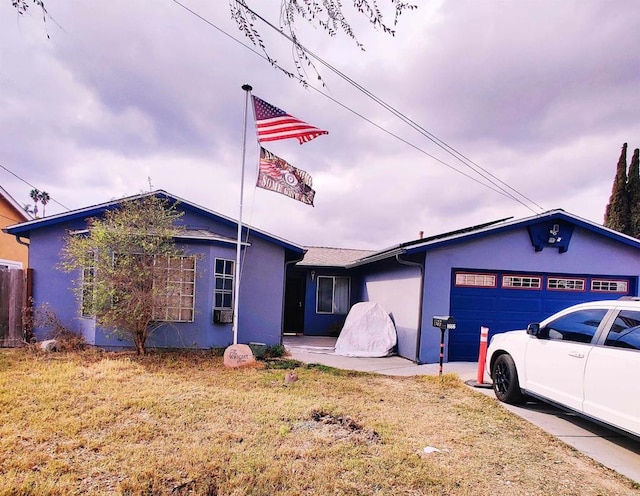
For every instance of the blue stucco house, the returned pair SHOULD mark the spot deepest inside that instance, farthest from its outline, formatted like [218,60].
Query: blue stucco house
[203,317]
[502,275]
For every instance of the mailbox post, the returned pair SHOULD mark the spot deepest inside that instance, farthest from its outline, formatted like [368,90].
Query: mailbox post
[444,323]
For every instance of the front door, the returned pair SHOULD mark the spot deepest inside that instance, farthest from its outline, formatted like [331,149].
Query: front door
[294,304]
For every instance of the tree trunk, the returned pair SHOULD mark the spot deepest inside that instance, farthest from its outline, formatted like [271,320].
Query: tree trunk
[140,342]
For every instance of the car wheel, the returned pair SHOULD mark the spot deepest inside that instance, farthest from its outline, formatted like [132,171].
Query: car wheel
[505,380]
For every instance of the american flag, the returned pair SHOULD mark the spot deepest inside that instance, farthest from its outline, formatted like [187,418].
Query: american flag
[274,124]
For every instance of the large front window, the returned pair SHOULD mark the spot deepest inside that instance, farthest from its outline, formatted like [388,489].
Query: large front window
[333,295]
[172,279]
[174,289]
[223,292]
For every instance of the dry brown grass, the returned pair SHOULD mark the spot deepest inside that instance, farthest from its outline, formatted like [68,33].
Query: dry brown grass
[103,423]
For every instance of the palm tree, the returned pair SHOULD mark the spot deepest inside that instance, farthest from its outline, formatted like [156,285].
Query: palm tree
[44,199]
[35,196]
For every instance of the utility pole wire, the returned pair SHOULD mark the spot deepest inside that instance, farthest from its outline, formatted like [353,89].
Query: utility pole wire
[493,183]
[497,189]
[32,186]
[256,52]
[503,186]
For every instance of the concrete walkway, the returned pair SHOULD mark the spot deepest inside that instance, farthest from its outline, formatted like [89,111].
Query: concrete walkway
[319,349]
[605,446]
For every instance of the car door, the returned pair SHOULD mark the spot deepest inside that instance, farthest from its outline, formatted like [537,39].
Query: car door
[611,382]
[555,361]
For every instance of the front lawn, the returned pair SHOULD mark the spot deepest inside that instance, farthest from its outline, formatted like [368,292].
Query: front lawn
[181,423]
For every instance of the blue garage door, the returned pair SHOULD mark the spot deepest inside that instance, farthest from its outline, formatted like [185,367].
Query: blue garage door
[503,301]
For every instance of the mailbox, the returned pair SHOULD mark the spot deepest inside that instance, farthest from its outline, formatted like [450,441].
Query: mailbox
[444,322]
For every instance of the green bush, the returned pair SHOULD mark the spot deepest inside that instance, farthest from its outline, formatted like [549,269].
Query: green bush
[285,364]
[275,351]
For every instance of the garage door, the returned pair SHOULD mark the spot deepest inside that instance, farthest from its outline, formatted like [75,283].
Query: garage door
[503,301]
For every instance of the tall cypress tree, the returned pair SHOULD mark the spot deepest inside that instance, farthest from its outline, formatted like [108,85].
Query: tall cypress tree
[616,215]
[633,195]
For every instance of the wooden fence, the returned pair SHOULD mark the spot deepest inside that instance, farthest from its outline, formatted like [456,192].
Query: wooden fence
[15,306]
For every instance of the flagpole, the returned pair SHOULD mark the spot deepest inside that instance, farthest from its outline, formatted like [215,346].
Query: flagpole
[236,273]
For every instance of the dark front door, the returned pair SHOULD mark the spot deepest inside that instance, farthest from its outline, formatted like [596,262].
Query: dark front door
[294,305]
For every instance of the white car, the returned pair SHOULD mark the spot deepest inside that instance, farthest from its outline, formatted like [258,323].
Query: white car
[585,358]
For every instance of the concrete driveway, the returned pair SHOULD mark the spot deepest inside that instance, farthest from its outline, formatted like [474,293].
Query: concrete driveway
[611,449]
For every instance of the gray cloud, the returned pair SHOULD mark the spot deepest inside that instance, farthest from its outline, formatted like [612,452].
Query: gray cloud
[540,93]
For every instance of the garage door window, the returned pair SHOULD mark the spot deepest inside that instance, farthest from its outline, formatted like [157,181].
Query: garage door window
[521,282]
[579,326]
[609,286]
[625,332]
[565,284]
[466,279]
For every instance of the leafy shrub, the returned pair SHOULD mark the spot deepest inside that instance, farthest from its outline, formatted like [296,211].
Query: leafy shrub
[275,351]
[285,364]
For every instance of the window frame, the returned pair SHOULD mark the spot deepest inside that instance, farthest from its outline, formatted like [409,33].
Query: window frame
[521,277]
[226,277]
[600,280]
[10,264]
[88,287]
[569,280]
[334,309]
[474,279]
[186,289]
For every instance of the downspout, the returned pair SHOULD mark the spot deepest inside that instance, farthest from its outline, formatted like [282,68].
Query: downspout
[419,333]
[17,236]
[27,326]
[284,291]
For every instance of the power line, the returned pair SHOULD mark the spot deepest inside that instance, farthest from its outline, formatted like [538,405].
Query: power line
[256,52]
[501,185]
[32,186]
[498,189]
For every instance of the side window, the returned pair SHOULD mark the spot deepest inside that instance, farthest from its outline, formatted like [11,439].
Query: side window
[579,326]
[223,292]
[625,331]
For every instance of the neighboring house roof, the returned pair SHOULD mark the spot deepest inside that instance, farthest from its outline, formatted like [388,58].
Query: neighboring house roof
[317,256]
[22,214]
[490,228]
[24,229]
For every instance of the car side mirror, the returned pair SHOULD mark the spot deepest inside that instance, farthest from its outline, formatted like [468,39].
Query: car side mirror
[533,330]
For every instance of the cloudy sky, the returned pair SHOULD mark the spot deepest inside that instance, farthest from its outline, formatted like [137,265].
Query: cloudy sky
[108,97]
